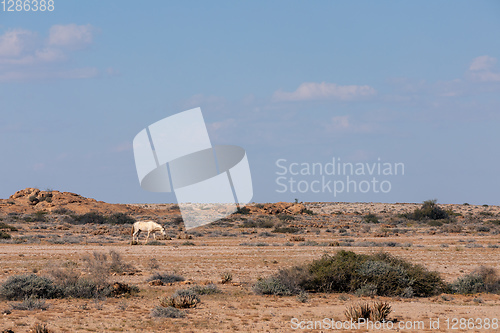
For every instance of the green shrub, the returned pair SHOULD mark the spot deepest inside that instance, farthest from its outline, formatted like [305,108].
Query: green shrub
[435,223]
[62,211]
[468,284]
[367,290]
[486,213]
[167,312]
[429,210]
[18,287]
[92,217]
[482,279]
[242,210]
[36,217]
[4,235]
[120,218]
[347,271]
[285,217]
[286,230]
[272,286]
[7,226]
[286,282]
[308,211]
[165,278]
[371,218]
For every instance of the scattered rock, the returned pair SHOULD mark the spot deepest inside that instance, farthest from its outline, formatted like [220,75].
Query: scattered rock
[121,289]
[156,283]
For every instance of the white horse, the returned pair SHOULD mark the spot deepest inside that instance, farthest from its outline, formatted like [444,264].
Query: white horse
[149,226]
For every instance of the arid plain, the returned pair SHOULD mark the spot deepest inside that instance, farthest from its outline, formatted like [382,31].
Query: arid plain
[49,230]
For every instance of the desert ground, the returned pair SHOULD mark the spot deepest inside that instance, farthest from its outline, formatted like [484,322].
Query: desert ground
[46,232]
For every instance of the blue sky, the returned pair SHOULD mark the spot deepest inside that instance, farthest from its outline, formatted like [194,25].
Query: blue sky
[410,82]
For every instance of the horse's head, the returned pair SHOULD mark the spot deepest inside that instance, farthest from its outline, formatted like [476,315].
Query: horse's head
[162,230]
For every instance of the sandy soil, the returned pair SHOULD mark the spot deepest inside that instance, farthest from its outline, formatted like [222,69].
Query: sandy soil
[250,253]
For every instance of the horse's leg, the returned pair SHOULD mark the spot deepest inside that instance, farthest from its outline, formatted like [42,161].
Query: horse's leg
[136,235]
[147,238]
[154,235]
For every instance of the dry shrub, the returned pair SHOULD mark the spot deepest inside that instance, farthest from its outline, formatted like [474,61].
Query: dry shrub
[380,311]
[377,311]
[167,312]
[30,303]
[183,298]
[226,277]
[205,290]
[19,287]
[358,311]
[40,328]
[99,267]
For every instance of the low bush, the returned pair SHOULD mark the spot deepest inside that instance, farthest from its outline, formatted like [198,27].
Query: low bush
[347,271]
[19,287]
[120,218]
[30,303]
[272,286]
[428,210]
[242,210]
[303,297]
[92,217]
[371,218]
[63,211]
[285,217]
[4,235]
[258,223]
[98,218]
[7,226]
[285,283]
[40,328]
[165,278]
[286,230]
[482,279]
[39,216]
[167,312]
[209,289]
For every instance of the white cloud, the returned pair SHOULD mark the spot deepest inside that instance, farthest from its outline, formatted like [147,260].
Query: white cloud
[15,42]
[344,124]
[203,100]
[482,63]
[482,69]
[324,90]
[25,56]
[71,35]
